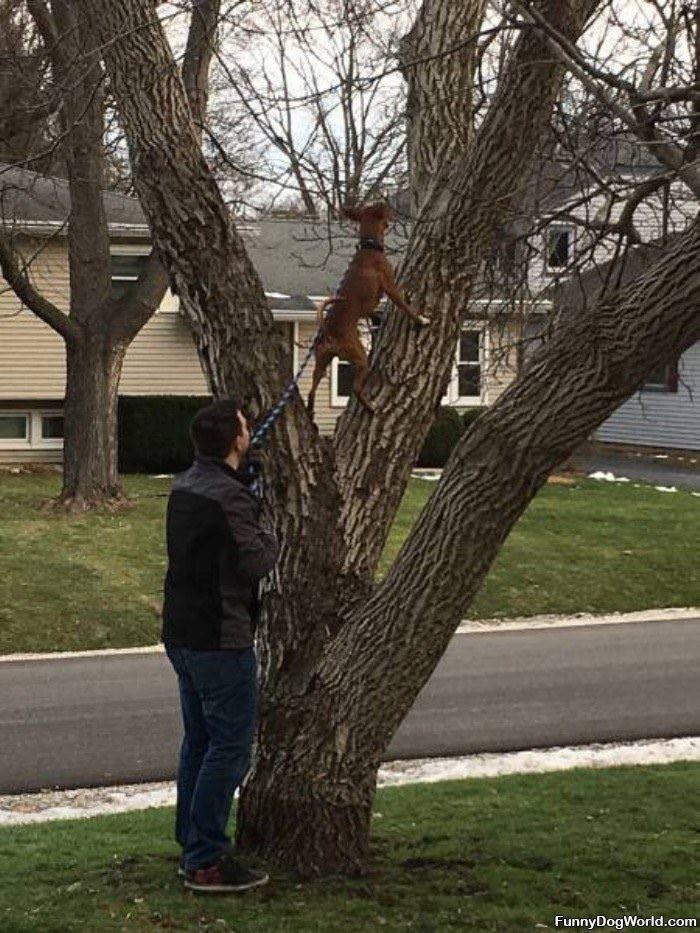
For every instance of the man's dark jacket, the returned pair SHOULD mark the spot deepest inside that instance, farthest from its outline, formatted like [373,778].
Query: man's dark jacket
[217,554]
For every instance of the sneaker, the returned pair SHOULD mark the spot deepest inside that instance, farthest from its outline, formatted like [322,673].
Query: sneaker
[226,875]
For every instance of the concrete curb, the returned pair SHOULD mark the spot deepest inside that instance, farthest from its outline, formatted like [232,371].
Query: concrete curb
[468,627]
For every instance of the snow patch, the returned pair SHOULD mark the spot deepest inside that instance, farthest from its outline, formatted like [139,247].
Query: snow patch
[608,477]
[674,614]
[428,477]
[539,761]
[666,488]
[83,803]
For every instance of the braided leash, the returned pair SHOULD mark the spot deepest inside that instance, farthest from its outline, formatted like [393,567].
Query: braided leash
[263,429]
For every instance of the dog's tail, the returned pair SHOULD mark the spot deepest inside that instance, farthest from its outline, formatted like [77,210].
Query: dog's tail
[321,308]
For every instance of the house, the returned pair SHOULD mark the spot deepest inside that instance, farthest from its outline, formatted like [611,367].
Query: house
[299,264]
[665,411]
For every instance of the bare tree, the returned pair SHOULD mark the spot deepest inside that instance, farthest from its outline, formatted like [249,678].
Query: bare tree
[343,657]
[23,104]
[319,85]
[98,328]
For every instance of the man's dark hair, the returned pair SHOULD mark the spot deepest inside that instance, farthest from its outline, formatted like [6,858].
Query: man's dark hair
[214,428]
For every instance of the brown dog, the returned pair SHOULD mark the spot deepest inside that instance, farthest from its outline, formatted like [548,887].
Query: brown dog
[368,277]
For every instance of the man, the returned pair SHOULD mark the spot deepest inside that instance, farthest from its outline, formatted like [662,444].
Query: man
[217,554]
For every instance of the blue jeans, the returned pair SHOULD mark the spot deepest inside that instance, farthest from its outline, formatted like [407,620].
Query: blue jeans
[218,696]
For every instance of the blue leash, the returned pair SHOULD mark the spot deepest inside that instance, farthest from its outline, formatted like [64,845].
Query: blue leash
[263,429]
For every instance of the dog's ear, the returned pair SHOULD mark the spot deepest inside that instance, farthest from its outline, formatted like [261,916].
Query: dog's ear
[351,213]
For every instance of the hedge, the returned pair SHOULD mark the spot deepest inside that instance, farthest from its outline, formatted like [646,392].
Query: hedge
[153,432]
[153,435]
[444,434]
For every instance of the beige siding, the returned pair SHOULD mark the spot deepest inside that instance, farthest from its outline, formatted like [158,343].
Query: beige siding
[162,359]
[31,355]
[502,360]
[325,414]
[32,455]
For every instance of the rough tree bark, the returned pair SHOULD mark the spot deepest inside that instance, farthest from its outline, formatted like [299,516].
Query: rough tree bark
[437,60]
[342,658]
[97,330]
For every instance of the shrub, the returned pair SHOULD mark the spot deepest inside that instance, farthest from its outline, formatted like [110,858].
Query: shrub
[153,432]
[442,438]
[470,416]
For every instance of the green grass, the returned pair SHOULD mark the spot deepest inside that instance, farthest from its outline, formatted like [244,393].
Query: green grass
[586,547]
[95,581]
[506,854]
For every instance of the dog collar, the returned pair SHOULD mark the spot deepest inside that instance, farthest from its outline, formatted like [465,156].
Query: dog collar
[370,243]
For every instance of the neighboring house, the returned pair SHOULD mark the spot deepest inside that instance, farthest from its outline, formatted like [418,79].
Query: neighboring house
[299,265]
[665,411]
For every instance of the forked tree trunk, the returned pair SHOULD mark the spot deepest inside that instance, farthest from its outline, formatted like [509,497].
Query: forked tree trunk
[344,659]
[90,472]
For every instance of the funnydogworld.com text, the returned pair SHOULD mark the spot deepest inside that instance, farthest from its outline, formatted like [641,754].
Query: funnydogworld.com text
[622,923]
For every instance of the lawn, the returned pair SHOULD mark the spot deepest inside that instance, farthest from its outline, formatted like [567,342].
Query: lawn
[94,582]
[506,854]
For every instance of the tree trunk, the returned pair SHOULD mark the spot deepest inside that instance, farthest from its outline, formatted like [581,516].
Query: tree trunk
[309,806]
[439,75]
[90,474]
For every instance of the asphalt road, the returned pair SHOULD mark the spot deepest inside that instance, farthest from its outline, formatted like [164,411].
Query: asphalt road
[88,721]
[659,470]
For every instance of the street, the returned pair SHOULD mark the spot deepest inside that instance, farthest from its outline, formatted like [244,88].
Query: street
[114,719]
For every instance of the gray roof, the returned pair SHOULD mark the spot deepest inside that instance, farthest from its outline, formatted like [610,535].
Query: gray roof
[28,197]
[295,258]
[302,257]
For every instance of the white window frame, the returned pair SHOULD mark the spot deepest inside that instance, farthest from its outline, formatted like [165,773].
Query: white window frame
[559,228]
[14,442]
[33,439]
[452,396]
[337,400]
[169,302]
[41,442]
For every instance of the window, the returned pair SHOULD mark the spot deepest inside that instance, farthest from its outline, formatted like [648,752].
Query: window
[52,427]
[51,433]
[466,385]
[559,247]
[343,373]
[14,429]
[469,364]
[126,268]
[663,379]
[33,429]
[345,376]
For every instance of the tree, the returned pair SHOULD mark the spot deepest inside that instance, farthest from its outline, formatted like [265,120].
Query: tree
[332,135]
[99,327]
[343,656]
[22,69]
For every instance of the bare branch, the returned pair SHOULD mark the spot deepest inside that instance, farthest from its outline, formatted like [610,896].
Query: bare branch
[16,275]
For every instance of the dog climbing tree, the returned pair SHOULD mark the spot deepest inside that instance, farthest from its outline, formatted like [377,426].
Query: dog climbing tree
[343,658]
